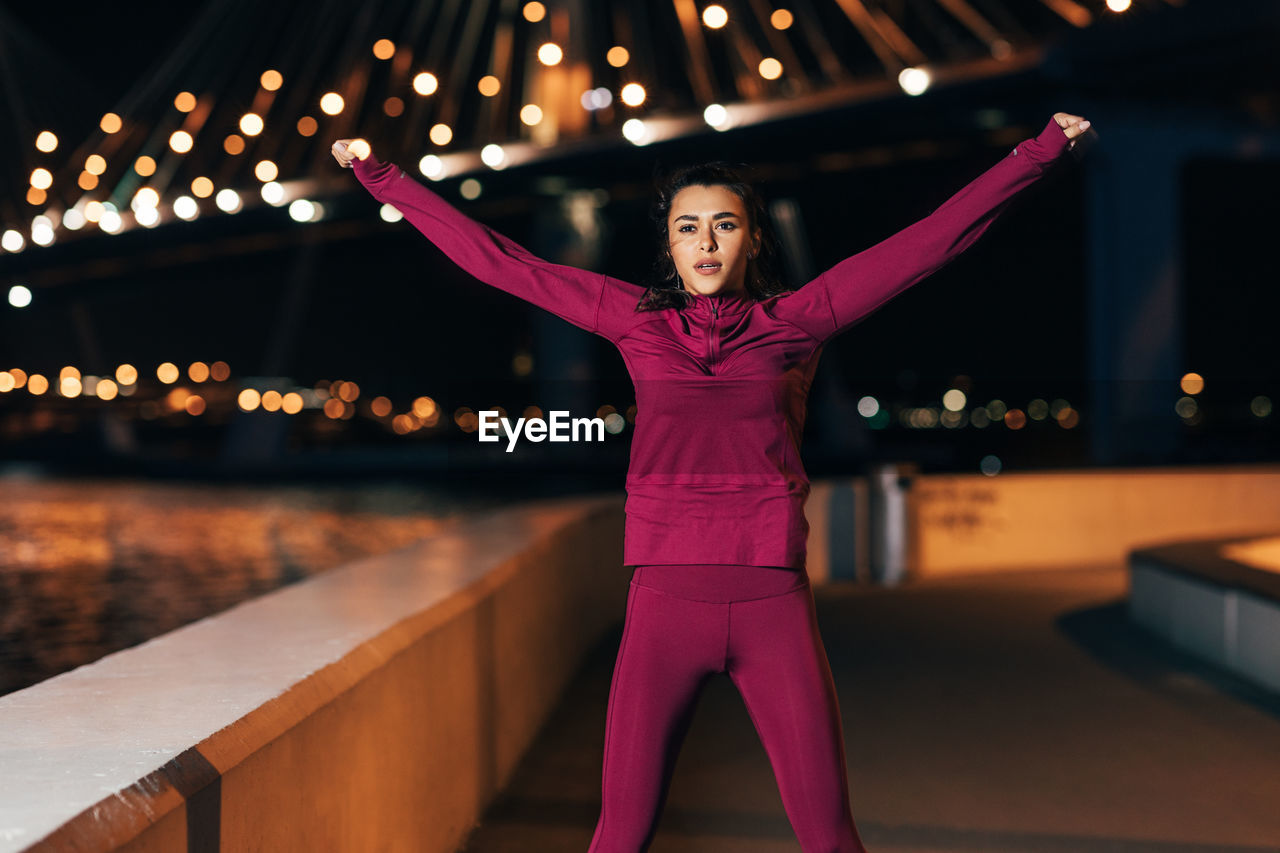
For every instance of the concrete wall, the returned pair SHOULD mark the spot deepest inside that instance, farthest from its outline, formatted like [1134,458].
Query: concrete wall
[378,706]
[959,523]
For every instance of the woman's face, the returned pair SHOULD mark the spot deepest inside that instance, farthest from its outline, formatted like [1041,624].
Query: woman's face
[708,225]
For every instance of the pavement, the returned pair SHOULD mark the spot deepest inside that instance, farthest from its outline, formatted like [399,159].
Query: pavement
[1012,711]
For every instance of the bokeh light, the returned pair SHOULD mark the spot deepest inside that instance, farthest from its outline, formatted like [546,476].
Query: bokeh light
[550,53]
[633,94]
[180,141]
[251,124]
[425,83]
[331,103]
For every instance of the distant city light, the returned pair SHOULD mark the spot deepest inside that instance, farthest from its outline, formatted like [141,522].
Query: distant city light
[953,400]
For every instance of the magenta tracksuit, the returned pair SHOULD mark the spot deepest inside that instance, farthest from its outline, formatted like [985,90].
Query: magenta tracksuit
[716,488]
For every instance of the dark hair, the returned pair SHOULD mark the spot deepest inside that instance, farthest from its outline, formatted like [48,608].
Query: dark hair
[665,289]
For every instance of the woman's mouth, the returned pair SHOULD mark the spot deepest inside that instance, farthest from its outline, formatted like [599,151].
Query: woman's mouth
[708,268]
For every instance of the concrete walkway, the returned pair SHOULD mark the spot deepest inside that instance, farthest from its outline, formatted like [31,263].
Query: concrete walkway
[986,713]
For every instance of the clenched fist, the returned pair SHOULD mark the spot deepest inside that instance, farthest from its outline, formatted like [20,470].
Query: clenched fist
[1071,125]
[346,150]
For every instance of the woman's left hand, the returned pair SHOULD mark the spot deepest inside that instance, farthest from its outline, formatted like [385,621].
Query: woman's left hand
[1071,125]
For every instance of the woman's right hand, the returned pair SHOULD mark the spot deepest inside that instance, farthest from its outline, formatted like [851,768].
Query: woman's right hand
[346,150]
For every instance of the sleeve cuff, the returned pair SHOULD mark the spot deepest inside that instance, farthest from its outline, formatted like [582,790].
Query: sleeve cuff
[373,173]
[1045,148]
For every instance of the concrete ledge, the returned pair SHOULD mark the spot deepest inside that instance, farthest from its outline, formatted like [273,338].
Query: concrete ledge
[1224,611]
[377,706]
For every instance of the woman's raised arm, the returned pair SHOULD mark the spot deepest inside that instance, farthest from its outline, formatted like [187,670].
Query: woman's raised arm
[589,300]
[853,288]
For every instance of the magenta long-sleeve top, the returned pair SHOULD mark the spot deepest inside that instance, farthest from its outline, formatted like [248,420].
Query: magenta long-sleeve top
[715,474]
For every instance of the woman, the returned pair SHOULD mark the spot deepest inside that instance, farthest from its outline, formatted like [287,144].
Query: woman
[722,358]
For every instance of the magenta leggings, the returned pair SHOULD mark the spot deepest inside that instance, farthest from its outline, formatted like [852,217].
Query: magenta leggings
[685,623]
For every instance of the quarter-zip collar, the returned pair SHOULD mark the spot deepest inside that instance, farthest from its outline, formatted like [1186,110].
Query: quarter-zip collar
[719,304]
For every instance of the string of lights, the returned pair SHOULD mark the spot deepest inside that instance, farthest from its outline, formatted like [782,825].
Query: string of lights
[481,86]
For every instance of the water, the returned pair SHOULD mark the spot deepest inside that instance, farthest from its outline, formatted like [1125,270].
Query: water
[89,567]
